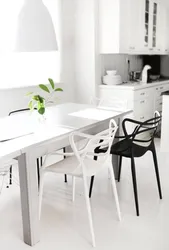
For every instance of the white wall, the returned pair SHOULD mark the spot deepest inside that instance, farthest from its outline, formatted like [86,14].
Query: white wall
[68,49]
[15,98]
[86,50]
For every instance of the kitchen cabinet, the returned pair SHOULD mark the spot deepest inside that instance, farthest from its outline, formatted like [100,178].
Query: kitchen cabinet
[119,22]
[144,100]
[155,25]
[163,31]
[151,39]
[133,27]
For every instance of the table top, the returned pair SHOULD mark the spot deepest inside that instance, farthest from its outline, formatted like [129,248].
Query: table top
[23,130]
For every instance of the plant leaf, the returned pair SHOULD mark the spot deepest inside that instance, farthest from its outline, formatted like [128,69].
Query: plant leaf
[41,99]
[29,93]
[35,97]
[38,98]
[44,87]
[58,89]
[41,111]
[30,105]
[40,104]
[51,83]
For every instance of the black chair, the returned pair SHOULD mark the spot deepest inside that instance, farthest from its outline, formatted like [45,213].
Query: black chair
[39,160]
[128,147]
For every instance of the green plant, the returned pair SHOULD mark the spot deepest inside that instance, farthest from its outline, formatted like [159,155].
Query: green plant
[39,102]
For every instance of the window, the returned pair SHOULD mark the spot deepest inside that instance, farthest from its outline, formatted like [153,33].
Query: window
[25,69]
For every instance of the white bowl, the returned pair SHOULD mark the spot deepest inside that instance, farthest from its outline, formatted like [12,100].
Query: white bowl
[111,72]
[112,80]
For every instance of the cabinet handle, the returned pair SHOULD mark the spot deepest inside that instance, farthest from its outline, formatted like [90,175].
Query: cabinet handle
[142,102]
[156,88]
[160,103]
[150,48]
[166,50]
[159,49]
[132,47]
[161,87]
[142,93]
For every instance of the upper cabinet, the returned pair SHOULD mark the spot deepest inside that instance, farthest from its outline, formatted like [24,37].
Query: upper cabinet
[163,34]
[111,21]
[116,26]
[133,27]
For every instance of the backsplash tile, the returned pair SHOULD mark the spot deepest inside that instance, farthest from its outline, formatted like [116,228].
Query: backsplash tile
[119,63]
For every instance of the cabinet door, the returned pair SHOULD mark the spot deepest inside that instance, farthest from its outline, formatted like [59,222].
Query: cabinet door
[165,28]
[147,17]
[154,23]
[150,22]
[161,37]
[135,23]
[145,26]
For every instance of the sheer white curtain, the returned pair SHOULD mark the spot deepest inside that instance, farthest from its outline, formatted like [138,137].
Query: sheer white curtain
[26,69]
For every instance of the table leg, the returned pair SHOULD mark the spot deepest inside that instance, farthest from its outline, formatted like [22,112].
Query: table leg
[29,198]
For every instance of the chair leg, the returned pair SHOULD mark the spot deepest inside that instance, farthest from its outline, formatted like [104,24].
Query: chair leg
[38,170]
[120,164]
[41,161]
[133,171]
[10,176]
[115,191]
[73,188]
[157,172]
[92,181]
[91,186]
[65,178]
[89,210]
[41,184]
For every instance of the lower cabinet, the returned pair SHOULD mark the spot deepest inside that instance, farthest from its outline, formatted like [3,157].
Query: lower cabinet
[144,102]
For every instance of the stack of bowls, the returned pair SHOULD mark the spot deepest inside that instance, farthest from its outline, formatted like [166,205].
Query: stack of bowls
[111,78]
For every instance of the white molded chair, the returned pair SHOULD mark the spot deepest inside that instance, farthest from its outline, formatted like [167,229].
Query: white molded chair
[113,103]
[80,163]
[5,173]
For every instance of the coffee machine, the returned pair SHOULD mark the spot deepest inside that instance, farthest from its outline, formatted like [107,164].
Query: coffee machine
[154,61]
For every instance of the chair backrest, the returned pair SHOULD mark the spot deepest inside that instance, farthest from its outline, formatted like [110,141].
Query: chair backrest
[110,103]
[113,103]
[95,100]
[4,169]
[103,139]
[14,112]
[141,128]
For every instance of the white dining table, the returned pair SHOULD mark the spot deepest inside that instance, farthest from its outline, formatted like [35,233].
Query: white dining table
[24,138]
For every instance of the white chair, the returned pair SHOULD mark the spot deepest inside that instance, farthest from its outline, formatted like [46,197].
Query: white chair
[5,173]
[95,100]
[80,163]
[113,103]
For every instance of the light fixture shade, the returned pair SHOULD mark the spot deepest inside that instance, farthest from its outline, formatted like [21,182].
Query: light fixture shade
[35,29]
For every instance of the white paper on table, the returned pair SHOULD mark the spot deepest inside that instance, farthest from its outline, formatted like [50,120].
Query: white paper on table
[95,114]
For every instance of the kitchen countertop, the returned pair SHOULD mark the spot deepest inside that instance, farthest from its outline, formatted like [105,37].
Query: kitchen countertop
[136,85]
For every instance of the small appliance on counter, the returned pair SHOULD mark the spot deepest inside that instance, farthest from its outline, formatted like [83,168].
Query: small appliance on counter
[111,78]
[154,61]
[135,76]
[144,74]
